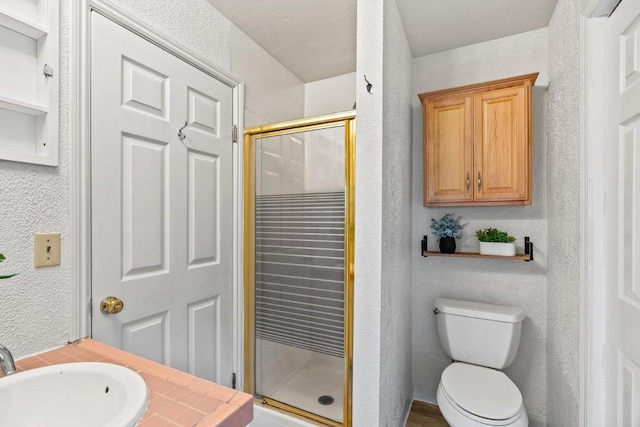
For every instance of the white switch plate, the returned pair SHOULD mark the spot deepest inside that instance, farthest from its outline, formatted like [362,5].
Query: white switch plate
[46,249]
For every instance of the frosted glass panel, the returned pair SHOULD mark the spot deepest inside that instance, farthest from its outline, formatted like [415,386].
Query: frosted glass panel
[299,271]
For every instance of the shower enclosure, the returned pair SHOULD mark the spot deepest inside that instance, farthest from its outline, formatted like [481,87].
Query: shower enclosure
[299,223]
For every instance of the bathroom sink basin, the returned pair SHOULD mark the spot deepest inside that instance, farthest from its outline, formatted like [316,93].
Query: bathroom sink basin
[73,394]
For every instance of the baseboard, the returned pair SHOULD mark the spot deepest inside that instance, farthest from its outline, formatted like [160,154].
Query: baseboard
[406,412]
[424,393]
[537,421]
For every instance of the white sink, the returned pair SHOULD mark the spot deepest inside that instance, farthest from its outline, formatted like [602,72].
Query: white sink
[73,394]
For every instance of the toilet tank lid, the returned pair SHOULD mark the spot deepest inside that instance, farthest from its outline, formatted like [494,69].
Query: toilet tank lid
[500,313]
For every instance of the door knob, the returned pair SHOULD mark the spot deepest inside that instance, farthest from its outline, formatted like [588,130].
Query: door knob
[111,305]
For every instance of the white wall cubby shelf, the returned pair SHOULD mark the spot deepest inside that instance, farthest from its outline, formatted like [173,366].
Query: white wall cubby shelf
[29,81]
[21,25]
[22,107]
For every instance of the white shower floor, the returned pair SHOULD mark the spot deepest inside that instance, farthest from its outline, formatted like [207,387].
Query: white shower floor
[317,378]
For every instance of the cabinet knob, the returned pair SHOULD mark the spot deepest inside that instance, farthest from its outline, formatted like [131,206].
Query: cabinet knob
[468,182]
[479,183]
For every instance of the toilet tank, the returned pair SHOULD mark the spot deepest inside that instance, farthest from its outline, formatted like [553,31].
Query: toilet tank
[482,334]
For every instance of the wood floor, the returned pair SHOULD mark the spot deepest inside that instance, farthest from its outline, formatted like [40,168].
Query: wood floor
[425,415]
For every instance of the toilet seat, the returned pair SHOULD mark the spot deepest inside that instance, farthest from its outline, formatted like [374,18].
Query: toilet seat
[470,395]
[484,392]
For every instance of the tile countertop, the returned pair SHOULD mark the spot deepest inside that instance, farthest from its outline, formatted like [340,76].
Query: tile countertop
[175,398]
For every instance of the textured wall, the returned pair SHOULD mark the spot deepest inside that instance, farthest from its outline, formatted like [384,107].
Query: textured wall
[563,297]
[272,93]
[396,391]
[34,306]
[368,233]
[382,344]
[193,23]
[330,95]
[502,282]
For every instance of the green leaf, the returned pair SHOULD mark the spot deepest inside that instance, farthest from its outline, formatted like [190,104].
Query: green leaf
[2,258]
[494,235]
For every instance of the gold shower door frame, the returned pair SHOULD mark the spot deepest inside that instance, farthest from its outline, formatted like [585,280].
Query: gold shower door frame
[346,119]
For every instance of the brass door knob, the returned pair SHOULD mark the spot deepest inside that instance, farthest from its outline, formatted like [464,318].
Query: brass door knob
[111,305]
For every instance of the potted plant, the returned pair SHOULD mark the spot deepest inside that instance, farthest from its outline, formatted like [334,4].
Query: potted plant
[2,258]
[447,229]
[496,242]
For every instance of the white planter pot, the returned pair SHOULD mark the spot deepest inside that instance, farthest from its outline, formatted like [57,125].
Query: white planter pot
[501,249]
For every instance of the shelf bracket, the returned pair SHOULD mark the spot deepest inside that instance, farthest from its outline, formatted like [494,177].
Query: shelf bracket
[528,249]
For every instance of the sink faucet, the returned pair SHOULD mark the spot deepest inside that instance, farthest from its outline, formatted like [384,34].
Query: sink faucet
[6,361]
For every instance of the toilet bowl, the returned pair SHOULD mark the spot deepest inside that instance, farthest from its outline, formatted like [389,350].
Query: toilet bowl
[475,396]
[481,339]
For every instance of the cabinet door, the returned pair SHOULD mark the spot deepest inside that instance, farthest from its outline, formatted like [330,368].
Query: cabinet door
[448,151]
[502,147]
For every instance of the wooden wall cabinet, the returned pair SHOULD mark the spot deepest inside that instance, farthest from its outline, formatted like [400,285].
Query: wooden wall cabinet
[477,144]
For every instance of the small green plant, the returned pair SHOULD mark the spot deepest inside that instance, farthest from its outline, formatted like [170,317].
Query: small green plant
[2,258]
[494,235]
[447,226]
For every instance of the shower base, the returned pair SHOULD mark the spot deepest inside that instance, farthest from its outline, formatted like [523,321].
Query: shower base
[318,378]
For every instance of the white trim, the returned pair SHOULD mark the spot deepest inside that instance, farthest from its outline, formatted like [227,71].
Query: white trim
[599,8]
[268,417]
[407,410]
[238,244]
[80,180]
[585,227]
[79,230]
[584,224]
[592,271]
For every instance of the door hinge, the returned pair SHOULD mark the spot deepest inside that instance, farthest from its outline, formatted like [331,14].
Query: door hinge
[234,133]
[91,308]
[233,380]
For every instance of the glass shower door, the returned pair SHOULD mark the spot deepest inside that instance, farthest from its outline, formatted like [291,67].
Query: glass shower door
[299,287]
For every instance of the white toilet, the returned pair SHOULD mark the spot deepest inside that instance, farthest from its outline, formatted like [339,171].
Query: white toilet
[481,339]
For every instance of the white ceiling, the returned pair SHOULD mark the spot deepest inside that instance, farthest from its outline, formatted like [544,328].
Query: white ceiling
[316,39]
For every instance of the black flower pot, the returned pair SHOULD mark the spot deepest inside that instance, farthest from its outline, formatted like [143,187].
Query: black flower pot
[447,245]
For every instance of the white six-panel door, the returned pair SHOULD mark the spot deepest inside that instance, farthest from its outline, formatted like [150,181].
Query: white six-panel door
[161,206]
[622,406]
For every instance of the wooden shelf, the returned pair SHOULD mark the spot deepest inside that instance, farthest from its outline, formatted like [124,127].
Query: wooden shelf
[517,257]
[22,26]
[526,256]
[22,107]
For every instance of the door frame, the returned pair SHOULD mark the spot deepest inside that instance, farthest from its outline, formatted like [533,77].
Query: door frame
[593,128]
[80,160]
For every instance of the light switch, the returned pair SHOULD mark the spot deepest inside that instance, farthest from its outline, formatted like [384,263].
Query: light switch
[46,249]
